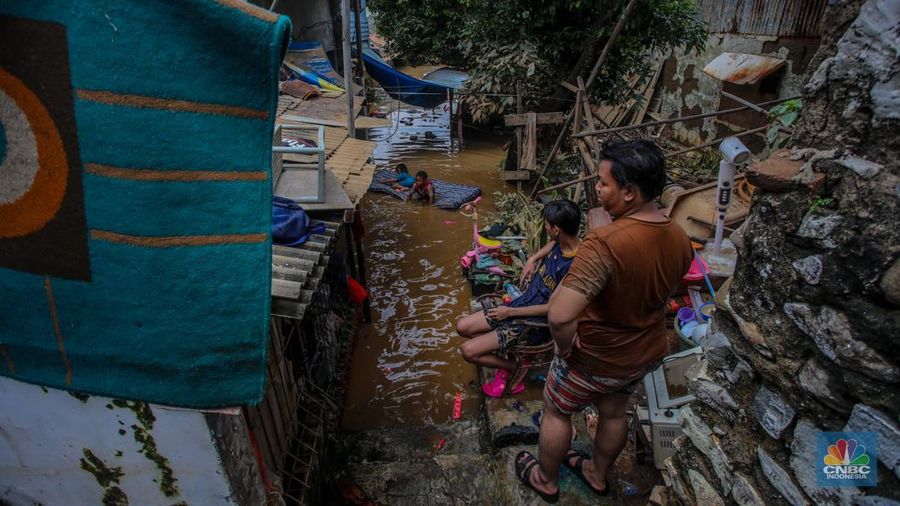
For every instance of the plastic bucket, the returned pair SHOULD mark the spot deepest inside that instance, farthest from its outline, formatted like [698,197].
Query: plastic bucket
[687,342]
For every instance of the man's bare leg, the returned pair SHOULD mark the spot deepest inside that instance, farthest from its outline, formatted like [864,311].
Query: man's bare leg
[554,441]
[609,440]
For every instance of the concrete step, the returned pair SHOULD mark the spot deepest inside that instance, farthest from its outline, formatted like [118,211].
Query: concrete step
[515,420]
[440,480]
[413,443]
[572,492]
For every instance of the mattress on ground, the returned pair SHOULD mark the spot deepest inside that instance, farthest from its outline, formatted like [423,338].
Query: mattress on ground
[448,195]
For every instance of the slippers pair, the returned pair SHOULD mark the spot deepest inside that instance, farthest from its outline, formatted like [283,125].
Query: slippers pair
[577,468]
[525,464]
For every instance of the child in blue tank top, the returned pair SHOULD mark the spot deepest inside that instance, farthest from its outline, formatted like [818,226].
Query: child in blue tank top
[498,329]
[403,181]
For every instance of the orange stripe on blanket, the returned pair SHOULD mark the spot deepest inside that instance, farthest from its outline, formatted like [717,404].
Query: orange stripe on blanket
[169,104]
[174,175]
[246,8]
[54,315]
[176,241]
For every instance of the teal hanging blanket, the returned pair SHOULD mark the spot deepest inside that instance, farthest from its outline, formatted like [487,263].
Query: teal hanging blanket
[135,201]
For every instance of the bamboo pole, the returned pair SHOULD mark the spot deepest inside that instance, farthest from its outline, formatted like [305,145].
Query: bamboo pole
[682,118]
[568,183]
[677,153]
[520,109]
[609,43]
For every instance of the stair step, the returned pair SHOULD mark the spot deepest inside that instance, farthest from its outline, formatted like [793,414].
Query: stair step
[442,480]
[413,443]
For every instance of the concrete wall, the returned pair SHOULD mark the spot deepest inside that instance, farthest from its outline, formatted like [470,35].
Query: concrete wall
[57,448]
[686,90]
[311,20]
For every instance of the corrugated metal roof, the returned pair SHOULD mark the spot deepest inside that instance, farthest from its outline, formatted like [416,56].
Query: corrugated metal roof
[741,68]
[297,271]
[785,18]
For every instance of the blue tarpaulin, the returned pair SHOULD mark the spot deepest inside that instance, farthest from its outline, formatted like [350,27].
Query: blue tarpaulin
[405,88]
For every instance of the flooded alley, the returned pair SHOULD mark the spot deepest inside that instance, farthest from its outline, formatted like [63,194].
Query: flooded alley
[406,369]
[237,238]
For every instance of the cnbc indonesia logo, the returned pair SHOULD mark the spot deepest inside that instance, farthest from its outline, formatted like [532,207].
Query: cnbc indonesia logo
[847,459]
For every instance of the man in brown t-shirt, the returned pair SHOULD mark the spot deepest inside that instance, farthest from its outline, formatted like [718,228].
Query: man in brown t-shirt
[607,317]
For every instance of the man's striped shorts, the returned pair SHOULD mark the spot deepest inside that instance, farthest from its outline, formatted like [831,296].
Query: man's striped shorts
[571,391]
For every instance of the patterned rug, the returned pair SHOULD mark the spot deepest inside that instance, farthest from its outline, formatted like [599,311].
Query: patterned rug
[135,205]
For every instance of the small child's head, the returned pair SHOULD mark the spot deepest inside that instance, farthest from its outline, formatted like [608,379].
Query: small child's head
[561,216]
[400,168]
[422,176]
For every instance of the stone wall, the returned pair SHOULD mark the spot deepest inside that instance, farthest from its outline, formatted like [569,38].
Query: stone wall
[805,336]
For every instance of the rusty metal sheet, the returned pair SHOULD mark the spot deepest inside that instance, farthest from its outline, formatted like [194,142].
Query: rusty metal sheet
[742,68]
[784,18]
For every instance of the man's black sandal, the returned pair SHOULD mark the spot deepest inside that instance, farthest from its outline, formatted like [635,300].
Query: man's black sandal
[524,467]
[577,470]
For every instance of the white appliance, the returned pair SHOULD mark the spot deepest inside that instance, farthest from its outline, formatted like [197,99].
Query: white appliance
[667,391]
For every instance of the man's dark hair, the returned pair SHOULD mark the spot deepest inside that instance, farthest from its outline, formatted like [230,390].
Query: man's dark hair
[422,174]
[401,167]
[564,214]
[639,163]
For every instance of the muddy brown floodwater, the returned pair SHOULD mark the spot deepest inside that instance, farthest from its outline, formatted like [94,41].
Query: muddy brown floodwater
[405,368]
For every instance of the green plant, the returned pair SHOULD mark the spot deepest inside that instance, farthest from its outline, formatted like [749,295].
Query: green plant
[518,211]
[537,43]
[820,202]
[781,116]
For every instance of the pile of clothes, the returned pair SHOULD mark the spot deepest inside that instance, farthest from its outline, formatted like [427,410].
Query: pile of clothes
[493,262]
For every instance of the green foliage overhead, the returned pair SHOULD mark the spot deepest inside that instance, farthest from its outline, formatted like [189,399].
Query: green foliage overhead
[536,42]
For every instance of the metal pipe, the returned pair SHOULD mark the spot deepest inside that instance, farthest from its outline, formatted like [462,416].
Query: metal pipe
[754,107]
[681,119]
[348,67]
[359,50]
[716,141]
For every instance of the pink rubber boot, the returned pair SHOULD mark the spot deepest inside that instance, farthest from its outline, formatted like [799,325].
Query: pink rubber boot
[495,388]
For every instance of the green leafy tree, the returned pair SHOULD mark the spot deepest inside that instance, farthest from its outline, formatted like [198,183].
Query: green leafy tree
[536,42]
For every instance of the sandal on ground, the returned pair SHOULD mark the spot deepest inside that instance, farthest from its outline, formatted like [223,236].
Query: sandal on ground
[578,470]
[524,467]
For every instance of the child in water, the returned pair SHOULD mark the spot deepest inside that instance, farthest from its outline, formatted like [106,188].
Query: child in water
[423,189]
[404,180]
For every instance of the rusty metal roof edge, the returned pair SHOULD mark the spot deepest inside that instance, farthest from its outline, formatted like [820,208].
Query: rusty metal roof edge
[742,68]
